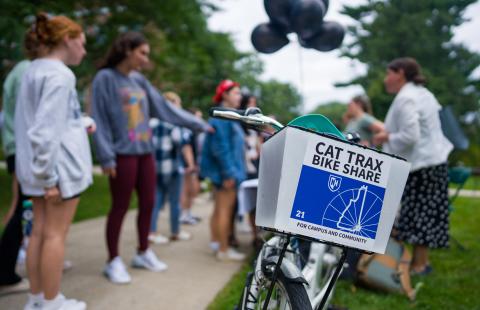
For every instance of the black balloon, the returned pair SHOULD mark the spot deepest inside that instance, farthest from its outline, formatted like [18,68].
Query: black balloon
[303,42]
[279,13]
[306,17]
[329,37]
[326,3]
[266,38]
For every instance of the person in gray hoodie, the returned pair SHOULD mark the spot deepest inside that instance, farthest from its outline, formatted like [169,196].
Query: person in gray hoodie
[53,161]
[12,236]
[123,101]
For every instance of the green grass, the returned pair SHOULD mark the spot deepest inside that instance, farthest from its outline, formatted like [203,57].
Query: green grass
[5,194]
[229,296]
[454,283]
[94,202]
[472,183]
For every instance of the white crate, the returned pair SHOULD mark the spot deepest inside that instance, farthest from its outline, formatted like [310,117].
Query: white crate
[321,187]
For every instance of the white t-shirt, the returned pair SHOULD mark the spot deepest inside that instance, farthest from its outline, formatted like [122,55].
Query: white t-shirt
[416,134]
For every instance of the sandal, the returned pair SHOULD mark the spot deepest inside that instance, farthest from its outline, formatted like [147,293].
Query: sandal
[426,271]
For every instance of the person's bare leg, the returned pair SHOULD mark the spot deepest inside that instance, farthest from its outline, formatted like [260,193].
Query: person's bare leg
[184,201]
[194,189]
[35,246]
[420,258]
[191,188]
[58,217]
[226,201]
[214,220]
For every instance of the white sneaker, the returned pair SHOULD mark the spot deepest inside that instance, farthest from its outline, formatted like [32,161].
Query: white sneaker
[188,220]
[30,305]
[34,302]
[181,236]
[116,271]
[243,226]
[67,265]
[230,255]
[71,304]
[158,239]
[62,303]
[214,246]
[148,260]
[22,256]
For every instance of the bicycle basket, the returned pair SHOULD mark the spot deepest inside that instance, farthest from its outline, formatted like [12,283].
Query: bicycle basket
[324,187]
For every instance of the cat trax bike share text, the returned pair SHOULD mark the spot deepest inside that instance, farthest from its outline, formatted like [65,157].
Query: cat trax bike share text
[315,185]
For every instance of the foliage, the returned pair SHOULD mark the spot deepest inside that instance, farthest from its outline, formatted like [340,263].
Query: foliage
[334,111]
[5,195]
[421,29]
[469,157]
[279,100]
[186,56]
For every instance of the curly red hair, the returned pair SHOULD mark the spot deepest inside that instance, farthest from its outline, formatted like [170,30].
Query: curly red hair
[50,31]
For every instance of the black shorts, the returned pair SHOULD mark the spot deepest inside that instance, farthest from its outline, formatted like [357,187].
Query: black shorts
[11,164]
[73,197]
[217,187]
[63,199]
[220,187]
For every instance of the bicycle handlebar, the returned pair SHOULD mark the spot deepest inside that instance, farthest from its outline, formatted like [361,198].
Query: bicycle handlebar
[214,111]
[250,116]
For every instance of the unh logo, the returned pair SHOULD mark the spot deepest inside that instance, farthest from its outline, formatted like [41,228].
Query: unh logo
[334,183]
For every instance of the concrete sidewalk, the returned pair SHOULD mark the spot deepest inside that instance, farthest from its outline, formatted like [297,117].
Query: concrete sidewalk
[193,279]
[468,193]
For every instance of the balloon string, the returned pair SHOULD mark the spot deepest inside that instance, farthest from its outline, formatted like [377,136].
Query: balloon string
[300,71]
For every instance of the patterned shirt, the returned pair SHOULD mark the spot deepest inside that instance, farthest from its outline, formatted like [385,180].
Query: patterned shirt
[122,106]
[169,141]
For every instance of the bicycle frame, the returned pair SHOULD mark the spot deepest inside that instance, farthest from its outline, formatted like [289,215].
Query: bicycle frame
[318,271]
[268,261]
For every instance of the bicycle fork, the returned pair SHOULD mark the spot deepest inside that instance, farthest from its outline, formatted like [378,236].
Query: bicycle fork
[333,279]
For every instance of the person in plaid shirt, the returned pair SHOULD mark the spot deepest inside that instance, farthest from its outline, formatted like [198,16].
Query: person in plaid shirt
[169,142]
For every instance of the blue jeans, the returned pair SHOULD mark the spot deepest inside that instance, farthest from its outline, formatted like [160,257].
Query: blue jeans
[173,190]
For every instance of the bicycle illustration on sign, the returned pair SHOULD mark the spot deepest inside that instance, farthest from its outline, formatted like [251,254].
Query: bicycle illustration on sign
[356,211]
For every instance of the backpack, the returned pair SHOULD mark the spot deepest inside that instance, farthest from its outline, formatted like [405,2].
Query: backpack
[389,272]
[452,129]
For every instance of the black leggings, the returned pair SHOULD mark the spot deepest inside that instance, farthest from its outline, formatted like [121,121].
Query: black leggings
[10,244]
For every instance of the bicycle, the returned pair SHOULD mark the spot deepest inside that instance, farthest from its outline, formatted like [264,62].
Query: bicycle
[278,280]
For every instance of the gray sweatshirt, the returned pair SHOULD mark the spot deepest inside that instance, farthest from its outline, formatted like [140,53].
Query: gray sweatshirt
[122,107]
[51,142]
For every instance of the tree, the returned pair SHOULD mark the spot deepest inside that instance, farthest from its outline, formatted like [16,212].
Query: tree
[333,111]
[388,29]
[279,99]
[186,56]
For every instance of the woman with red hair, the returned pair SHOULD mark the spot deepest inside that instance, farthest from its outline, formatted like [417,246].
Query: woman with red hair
[53,162]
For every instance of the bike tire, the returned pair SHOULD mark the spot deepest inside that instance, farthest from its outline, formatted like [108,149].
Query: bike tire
[296,295]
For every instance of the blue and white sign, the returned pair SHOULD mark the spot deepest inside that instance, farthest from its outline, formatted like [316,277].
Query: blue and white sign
[327,189]
[341,191]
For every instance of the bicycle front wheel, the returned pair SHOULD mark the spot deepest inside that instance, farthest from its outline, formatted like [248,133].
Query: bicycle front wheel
[286,295]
